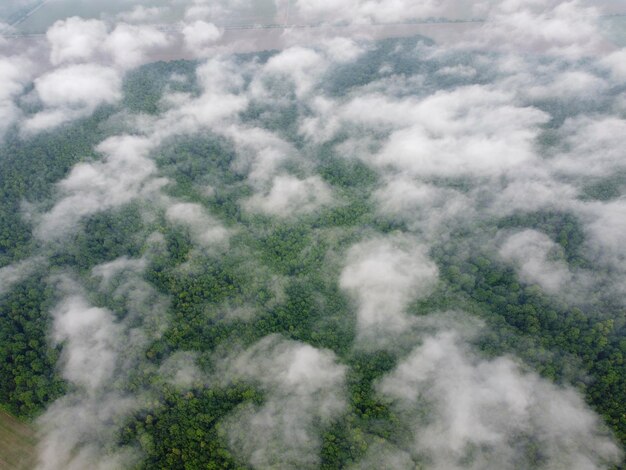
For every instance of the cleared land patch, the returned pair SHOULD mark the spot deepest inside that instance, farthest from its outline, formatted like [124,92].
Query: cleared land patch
[17,443]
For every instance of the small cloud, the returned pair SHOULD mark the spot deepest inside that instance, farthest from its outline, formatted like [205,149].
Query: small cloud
[205,230]
[129,45]
[142,14]
[290,196]
[71,92]
[537,259]
[200,35]
[75,39]
[384,275]
[304,391]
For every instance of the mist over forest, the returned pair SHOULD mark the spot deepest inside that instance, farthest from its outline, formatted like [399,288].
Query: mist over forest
[304,234]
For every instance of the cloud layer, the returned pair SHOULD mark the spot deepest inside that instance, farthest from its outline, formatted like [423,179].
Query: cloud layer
[337,171]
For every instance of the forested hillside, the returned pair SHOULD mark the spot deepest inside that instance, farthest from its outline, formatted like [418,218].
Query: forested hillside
[395,257]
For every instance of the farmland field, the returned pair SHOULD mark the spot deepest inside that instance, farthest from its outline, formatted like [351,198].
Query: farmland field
[17,443]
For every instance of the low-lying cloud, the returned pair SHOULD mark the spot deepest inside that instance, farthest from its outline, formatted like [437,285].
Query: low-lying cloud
[384,275]
[522,114]
[304,389]
[484,414]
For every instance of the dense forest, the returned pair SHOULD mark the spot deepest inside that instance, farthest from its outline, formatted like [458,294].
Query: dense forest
[191,304]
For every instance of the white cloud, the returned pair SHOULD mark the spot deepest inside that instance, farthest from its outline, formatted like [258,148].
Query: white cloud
[98,353]
[615,62]
[424,207]
[414,137]
[476,413]
[538,260]
[72,92]
[342,49]
[471,131]
[260,153]
[109,271]
[468,131]
[15,72]
[533,189]
[384,275]
[554,27]
[142,14]
[215,108]
[461,71]
[17,272]
[91,338]
[383,454]
[205,229]
[290,195]
[592,146]
[200,34]
[213,10]
[79,85]
[368,11]
[49,119]
[304,391]
[129,44]
[301,66]
[75,39]
[73,434]
[578,85]
[606,225]
[124,174]
[181,370]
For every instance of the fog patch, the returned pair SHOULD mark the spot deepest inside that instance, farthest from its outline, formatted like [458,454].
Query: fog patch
[468,131]
[72,92]
[15,73]
[107,272]
[199,35]
[180,369]
[129,45]
[101,349]
[290,195]
[598,138]
[142,14]
[75,39]
[205,230]
[468,412]
[125,173]
[15,273]
[537,260]
[304,392]
[380,11]
[559,28]
[427,209]
[301,66]
[383,275]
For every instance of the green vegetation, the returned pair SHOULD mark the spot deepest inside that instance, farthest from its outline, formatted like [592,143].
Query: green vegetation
[27,362]
[276,276]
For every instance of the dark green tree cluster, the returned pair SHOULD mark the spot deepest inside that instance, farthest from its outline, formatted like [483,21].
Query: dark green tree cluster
[27,362]
[183,430]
